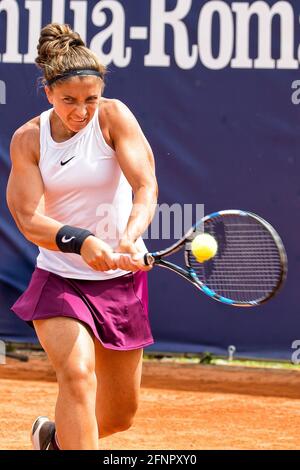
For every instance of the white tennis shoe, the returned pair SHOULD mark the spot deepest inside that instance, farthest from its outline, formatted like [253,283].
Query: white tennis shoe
[43,434]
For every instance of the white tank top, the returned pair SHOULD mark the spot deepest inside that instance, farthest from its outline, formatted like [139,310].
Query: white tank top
[84,187]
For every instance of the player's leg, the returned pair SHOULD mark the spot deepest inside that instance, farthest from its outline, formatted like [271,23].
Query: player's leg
[70,348]
[119,378]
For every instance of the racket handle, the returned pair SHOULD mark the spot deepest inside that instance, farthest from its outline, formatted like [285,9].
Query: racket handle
[143,259]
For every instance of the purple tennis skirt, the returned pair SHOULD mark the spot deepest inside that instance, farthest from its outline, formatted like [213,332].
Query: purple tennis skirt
[115,309]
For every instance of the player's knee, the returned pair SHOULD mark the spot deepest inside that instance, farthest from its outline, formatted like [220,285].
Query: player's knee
[119,422]
[115,425]
[79,379]
[123,425]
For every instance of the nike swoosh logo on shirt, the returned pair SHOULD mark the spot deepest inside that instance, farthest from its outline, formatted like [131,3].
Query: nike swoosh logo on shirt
[66,240]
[67,161]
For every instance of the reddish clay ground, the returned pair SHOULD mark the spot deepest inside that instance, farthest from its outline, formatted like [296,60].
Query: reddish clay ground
[182,407]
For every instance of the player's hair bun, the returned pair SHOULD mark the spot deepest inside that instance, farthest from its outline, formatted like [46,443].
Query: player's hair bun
[55,40]
[60,50]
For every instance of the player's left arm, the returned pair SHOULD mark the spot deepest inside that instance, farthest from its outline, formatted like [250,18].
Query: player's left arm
[136,160]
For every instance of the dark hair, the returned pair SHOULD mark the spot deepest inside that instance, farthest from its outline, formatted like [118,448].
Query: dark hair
[60,50]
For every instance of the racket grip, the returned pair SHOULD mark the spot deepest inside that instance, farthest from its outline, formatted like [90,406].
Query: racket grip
[139,261]
[145,259]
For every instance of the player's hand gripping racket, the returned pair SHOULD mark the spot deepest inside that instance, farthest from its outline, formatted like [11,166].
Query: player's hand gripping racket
[250,264]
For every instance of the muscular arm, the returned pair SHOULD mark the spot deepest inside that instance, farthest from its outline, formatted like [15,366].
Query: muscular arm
[137,163]
[25,190]
[25,199]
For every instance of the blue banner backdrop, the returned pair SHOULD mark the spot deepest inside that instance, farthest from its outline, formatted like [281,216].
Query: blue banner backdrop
[214,85]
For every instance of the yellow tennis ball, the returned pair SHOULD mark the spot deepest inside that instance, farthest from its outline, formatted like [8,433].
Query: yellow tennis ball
[204,247]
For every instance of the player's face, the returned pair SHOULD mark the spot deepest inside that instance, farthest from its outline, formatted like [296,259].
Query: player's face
[75,100]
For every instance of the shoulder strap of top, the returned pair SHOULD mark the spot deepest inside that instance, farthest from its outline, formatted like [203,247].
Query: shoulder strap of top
[100,138]
[44,131]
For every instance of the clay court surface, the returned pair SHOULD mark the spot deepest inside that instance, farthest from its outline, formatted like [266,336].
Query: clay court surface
[183,406]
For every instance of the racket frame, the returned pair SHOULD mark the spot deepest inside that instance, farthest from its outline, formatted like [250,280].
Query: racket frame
[190,275]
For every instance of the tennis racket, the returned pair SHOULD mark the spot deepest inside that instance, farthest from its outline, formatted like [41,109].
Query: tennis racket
[249,267]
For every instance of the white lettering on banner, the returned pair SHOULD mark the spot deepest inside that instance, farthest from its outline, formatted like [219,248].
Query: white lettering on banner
[295,98]
[2,92]
[35,21]
[296,354]
[159,19]
[79,8]
[115,40]
[119,54]
[2,352]
[58,11]
[205,35]
[265,15]
[11,54]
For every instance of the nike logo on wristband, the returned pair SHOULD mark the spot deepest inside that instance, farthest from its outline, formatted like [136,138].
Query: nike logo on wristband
[67,161]
[67,240]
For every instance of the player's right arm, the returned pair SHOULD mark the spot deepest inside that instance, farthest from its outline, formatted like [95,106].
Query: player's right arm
[25,190]
[25,199]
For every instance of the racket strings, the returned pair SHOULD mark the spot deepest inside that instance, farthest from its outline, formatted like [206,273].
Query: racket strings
[247,266]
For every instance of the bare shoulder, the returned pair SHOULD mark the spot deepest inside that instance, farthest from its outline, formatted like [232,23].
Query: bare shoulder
[25,142]
[116,121]
[115,111]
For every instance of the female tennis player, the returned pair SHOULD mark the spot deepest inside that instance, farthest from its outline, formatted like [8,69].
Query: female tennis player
[83,186]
